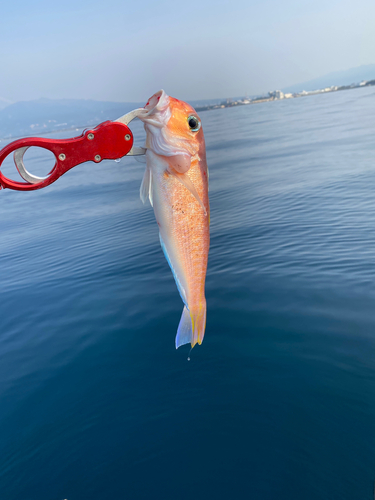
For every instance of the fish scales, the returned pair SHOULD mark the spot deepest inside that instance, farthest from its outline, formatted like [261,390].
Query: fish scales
[177,181]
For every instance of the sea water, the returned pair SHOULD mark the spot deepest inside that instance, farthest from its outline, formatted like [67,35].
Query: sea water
[278,402]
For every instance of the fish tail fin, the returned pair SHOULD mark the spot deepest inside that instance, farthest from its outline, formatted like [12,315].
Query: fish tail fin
[198,319]
[184,331]
[192,326]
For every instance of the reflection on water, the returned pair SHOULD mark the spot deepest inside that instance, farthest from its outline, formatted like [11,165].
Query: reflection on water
[279,399]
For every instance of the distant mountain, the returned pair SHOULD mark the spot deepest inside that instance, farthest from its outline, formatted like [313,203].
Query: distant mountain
[347,77]
[47,115]
[205,102]
[4,103]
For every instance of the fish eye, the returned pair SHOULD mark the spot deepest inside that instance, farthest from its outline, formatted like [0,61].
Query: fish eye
[194,123]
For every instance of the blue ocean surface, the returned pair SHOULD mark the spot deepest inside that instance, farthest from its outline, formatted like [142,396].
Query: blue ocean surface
[278,402]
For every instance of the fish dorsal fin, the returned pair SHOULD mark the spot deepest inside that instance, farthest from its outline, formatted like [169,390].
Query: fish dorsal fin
[186,181]
[174,272]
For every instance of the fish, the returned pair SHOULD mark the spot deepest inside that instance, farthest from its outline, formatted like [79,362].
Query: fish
[176,183]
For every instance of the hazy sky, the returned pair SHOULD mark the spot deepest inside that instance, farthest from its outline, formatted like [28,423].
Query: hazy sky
[196,49]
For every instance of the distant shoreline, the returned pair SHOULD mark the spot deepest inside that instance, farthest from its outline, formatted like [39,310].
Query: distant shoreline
[44,125]
[277,95]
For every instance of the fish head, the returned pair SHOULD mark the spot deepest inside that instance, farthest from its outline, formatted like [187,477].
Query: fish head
[173,130]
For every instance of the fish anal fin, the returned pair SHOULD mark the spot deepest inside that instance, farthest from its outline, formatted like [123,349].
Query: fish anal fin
[174,272]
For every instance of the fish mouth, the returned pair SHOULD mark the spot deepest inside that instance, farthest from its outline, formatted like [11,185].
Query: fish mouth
[156,113]
[157,103]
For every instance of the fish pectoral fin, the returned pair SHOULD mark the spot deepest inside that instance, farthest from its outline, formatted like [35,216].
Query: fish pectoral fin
[185,329]
[145,191]
[180,163]
[185,181]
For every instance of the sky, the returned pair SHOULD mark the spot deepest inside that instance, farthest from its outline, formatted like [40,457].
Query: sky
[116,50]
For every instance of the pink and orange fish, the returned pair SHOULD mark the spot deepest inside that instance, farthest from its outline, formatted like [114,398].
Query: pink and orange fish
[176,183]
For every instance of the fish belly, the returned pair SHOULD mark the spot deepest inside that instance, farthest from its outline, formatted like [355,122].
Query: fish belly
[184,236]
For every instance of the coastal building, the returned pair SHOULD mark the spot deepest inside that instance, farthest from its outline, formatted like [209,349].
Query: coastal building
[276,94]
